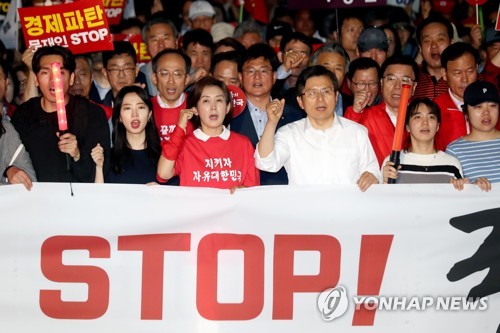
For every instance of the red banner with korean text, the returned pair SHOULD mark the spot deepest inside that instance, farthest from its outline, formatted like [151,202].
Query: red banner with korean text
[114,10]
[141,50]
[328,4]
[81,26]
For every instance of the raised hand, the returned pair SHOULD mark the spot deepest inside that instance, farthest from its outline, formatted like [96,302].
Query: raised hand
[274,110]
[185,115]
[361,99]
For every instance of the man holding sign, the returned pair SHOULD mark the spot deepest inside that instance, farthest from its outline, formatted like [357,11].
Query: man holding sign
[36,122]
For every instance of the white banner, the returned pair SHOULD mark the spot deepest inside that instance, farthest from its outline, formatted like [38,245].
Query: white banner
[128,258]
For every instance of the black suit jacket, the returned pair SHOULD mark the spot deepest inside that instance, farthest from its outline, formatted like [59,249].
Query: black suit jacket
[243,124]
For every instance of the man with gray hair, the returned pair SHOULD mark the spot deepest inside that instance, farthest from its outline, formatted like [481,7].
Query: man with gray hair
[248,33]
[333,57]
[159,34]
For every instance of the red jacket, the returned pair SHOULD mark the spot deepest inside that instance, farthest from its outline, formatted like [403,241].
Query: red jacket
[380,128]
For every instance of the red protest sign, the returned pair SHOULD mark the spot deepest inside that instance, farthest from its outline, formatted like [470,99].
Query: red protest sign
[239,100]
[141,50]
[476,2]
[114,10]
[81,26]
[497,27]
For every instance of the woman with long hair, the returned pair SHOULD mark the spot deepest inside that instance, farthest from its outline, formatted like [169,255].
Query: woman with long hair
[136,145]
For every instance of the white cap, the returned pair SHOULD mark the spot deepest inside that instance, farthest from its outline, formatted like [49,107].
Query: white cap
[221,30]
[201,8]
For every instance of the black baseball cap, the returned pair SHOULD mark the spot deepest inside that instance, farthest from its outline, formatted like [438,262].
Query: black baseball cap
[479,92]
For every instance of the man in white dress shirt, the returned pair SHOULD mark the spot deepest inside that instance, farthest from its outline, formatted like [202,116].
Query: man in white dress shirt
[323,148]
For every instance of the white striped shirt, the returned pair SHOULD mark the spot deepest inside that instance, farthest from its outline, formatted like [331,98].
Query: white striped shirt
[478,158]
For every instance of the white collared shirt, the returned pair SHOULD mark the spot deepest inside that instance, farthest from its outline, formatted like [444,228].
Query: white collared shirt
[166,106]
[455,100]
[200,135]
[337,155]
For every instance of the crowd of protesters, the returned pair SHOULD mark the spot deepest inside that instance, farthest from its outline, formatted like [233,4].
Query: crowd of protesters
[322,97]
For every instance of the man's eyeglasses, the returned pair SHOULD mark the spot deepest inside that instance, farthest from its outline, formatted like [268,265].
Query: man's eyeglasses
[392,79]
[126,71]
[362,85]
[315,93]
[176,75]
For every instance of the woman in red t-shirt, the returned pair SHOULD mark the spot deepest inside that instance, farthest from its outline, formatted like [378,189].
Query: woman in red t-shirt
[211,156]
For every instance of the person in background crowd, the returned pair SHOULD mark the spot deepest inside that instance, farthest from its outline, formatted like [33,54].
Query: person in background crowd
[295,52]
[120,68]
[380,120]
[364,82]
[459,62]
[420,161]
[405,31]
[37,125]
[434,35]
[350,27]
[225,68]
[21,71]
[136,145]
[15,163]
[333,57]
[248,33]
[304,21]
[373,43]
[258,74]
[212,156]
[171,76]
[275,31]
[343,146]
[221,30]
[158,34]
[479,151]
[83,77]
[392,40]
[201,15]
[229,44]
[100,84]
[198,45]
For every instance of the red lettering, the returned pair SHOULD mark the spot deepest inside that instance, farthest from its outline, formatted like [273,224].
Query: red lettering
[153,248]
[95,277]
[285,284]
[206,289]
[372,260]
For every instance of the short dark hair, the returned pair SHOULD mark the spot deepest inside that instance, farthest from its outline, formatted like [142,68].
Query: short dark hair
[158,20]
[314,71]
[435,18]
[120,47]
[231,56]
[197,91]
[68,57]
[198,36]
[230,42]
[187,60]
[260,50]
[400,60]
[457,50]
[413,107]
[362,64]
[296,36]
